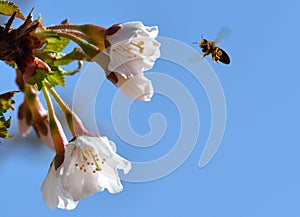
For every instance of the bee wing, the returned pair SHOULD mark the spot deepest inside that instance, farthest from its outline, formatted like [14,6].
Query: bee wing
[223,34]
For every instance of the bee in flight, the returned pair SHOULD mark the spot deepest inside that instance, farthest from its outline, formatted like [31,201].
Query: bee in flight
[217,54]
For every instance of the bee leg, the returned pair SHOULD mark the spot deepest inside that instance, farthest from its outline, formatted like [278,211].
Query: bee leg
[215,59]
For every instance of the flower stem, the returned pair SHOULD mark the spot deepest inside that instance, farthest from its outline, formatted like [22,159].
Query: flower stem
[86,28]
[57,134]
[75,125]
[65,26]
[57,98]
[48,102]
[89,49]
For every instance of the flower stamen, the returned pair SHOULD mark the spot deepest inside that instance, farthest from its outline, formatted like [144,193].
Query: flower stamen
[139,45]
[94,158]
[89,159]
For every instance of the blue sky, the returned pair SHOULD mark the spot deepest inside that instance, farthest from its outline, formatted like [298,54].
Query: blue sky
[256,170]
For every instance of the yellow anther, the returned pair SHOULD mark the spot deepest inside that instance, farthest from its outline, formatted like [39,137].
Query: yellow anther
[139,45]
[89,161]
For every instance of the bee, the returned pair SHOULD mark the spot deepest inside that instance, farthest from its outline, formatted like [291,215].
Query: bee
[217,54]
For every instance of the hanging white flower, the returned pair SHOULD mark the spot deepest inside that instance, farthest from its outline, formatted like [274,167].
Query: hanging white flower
[133,48]
[90,166]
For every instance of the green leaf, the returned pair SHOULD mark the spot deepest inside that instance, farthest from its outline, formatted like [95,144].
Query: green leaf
[37,78]
[4,125]
[57,78]
[8,8]
[54,42]
[6,101]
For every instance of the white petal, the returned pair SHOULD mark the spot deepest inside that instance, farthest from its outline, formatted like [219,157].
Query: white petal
[133,57]
[78,183]
[113,160]
[125,61]
[105,149]
[53,195]
[132,29]
[85,141]
[50,194]
[67,204]
[133,49]
[66,201]
[108,177]
[111,184]
[137,87]
[112,145]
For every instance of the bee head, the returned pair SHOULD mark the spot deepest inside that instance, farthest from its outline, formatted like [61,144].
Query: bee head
[203,43]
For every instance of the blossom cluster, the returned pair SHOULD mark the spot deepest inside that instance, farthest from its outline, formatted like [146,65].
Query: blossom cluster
[86,163]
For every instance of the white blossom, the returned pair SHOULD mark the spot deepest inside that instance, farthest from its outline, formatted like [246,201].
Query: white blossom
[90,166]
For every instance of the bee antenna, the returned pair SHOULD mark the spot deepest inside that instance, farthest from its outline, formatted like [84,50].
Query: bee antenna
[195,42]
[202,36]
